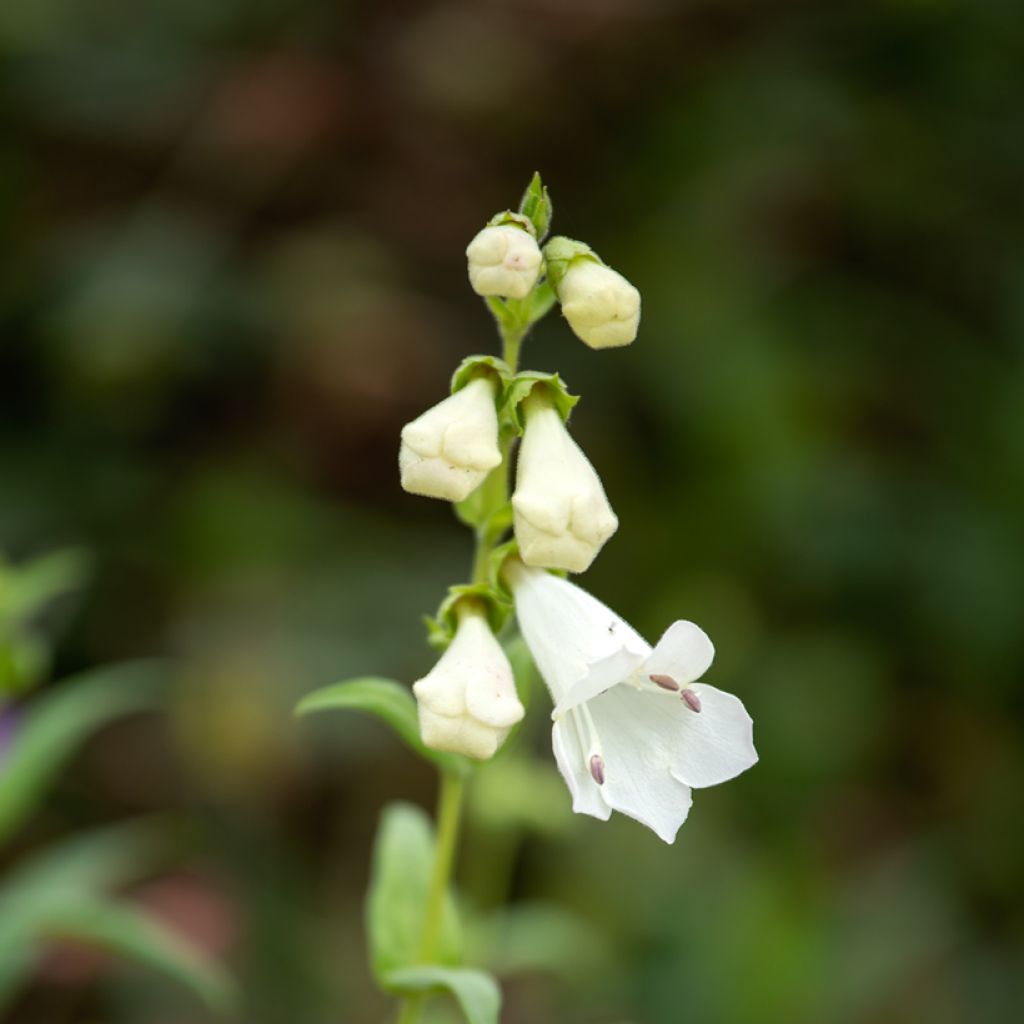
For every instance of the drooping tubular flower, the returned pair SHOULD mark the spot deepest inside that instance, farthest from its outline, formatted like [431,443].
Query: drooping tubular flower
[634,728]
[602,307]
[503,260]
[447,452]
[561,514]
[468,700]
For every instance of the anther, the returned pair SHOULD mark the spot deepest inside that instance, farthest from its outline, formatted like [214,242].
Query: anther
[665,682]
[597,768]
[691,700]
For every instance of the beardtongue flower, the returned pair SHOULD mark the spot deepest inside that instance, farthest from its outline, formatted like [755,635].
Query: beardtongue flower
[561,515]
[634,728]
[504,260]
[468,701]
[447,452]
[602,307]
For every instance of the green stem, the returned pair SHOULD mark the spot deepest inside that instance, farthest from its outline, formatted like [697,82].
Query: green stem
[449,813]
[449,804]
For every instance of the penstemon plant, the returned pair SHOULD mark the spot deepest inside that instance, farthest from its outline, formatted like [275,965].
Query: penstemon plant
[635,728]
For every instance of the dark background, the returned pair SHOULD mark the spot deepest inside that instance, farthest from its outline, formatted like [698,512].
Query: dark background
[233,267]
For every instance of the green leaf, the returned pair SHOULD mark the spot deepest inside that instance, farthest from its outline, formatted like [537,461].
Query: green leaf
[122,928]
[55,724]
[537,207]
[389,701]
[403,858]
[476,992]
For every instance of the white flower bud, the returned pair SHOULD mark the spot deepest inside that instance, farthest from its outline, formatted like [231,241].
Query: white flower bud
[468,701]
[503,260]
[560,512]
[447,452]
[602,307]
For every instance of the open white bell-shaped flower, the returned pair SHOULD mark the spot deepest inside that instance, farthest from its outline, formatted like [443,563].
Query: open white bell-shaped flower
[561,514]
[504,260]
[602,307]
[468,700]
[447,452]
[634,729]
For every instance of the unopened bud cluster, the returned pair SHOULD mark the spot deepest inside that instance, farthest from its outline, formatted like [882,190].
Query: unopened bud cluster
[459,451]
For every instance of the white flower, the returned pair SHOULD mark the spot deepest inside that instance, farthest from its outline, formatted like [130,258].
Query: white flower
[503,260]
[447,452]
[468,701]
[634,730]
[602,307]
[560,512]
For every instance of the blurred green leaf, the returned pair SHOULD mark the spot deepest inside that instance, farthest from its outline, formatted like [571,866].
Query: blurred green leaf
[27,589]
[476,992]
[403,857]
[54,725]
[122,928]
[516,792]
[539,937]
[389,701]
[81,868]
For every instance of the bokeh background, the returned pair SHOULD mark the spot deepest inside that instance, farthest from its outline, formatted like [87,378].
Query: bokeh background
[233,268]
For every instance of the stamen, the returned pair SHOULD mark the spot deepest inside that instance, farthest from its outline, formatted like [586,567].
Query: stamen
[691,700]
[597,768]
[665,682]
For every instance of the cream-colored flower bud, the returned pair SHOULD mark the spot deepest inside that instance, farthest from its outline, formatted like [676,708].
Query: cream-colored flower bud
[561,515]
[468,701]
[447,452]
[602,307]
[503,260]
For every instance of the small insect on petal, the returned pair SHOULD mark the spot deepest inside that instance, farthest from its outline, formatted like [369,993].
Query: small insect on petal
[691,700]
[597,768]
[665,682]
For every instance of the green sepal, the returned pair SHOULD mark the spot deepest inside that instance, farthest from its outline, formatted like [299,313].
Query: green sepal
[537,207]
[521,387]
[403,859]
[387,700]
[560,252]
[479,366]
[441,627]
[501,554]
[515,219]
[475,991]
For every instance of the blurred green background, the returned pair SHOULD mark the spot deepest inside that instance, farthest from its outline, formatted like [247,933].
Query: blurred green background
[233,238]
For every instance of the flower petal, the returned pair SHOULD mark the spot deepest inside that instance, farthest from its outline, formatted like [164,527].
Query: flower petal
[684,652]
[609,671]
[566,629]
[716,744]
[571,759]
[639,780]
